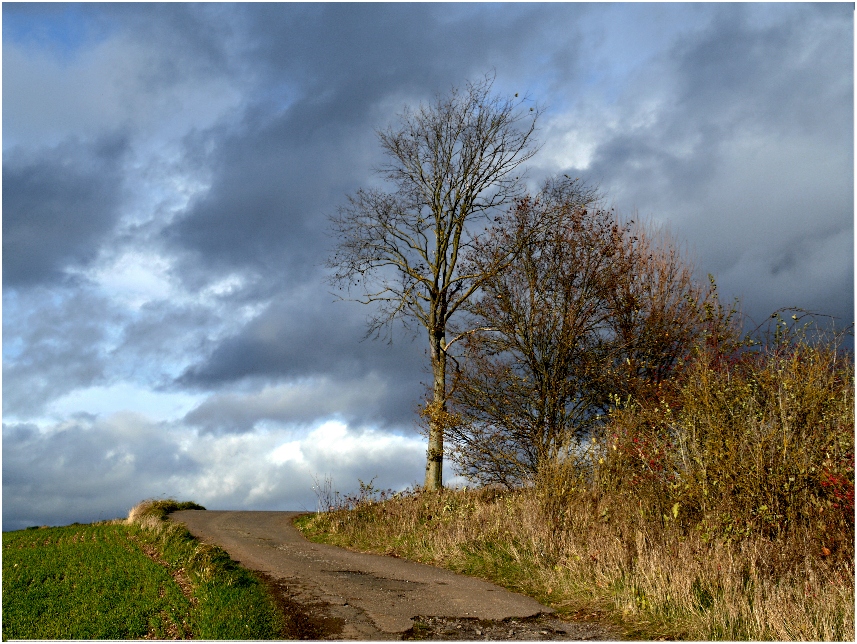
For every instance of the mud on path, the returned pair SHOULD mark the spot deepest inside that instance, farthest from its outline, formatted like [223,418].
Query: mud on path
[330,593]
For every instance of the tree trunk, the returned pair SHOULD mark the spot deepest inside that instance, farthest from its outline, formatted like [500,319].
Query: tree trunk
[434,457]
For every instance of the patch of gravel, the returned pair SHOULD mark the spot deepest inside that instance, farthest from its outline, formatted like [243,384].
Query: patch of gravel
[302,621]
[314,621]
[531,629]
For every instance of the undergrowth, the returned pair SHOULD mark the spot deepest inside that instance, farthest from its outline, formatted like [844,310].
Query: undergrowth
[722,511]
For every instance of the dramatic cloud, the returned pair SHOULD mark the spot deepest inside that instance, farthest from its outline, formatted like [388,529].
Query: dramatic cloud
[58,207]
[130,456]
[740,137]
[135,458]
[169,171]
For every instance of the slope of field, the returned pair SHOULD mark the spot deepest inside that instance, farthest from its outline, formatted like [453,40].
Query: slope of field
[128,580]
[648,585]
[87,582]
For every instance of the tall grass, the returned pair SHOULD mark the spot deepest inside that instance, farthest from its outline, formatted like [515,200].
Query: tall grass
[723,511]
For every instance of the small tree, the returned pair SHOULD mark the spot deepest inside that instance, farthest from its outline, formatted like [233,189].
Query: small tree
[589,311]
[449,163]
[659,311]
[529,387]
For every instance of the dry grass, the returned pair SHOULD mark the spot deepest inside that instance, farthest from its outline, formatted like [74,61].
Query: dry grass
[723,513]
[203,559]
[157,509]
[652,583]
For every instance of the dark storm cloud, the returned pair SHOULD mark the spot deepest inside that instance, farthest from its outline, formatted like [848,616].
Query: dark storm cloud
[330,75]
[57,346]
[302,336]
[200,35]
[732,81]
[369,50]
[751,158]
[269,189]
[58,207]
[789,79]
[311,338]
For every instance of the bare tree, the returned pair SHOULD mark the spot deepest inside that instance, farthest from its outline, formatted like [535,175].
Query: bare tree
[449,163]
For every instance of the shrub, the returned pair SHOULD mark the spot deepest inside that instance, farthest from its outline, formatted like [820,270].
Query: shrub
[159,509]
[721,509]
[761,441]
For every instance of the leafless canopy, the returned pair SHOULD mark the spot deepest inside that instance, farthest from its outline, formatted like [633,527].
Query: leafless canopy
[449,163]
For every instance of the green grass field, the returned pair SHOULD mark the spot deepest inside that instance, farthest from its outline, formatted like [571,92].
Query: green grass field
[142,579]
[87,582]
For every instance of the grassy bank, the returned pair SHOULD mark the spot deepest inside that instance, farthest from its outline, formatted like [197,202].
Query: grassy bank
[722,511]
[650,585]
[140,578]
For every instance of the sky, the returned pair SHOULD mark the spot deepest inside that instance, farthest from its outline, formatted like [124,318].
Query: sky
[169,171]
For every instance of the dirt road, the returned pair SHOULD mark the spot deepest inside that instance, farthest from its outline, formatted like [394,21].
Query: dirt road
[331,593]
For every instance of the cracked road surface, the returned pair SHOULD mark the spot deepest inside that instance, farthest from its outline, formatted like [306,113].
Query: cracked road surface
[332,593]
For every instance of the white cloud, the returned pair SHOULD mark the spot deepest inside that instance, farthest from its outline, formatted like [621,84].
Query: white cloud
[134,278]
[98,468]
[569,143]
[290,451]
[275,470]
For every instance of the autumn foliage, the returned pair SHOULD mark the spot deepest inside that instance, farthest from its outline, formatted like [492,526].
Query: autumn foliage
[724,512]
[598,364]
[592,312]
[639,459]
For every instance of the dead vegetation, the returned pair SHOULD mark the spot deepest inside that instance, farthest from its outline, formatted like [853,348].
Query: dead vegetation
[724,511]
